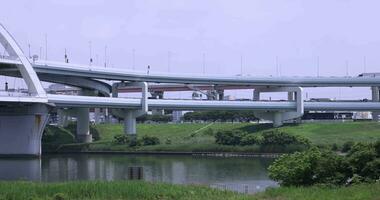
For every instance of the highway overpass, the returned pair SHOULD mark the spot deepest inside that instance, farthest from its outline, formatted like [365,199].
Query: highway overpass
[23,118]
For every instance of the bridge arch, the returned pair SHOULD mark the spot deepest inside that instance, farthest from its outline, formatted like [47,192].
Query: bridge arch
[27,72]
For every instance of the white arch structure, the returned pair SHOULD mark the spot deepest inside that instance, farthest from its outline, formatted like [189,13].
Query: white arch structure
[27,72]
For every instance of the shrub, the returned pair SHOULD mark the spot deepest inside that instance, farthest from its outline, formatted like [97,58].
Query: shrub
[251,139]
[377,147]
[347,146]
[282,138]
[121,139]
[359,156]
[372,170]
[334,147]
[150,140]
[315,166]
[168,141]
[310,167]
[229,137]
[95,133]
[59,196]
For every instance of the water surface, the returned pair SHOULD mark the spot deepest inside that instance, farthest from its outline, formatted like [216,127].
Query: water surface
[247,175]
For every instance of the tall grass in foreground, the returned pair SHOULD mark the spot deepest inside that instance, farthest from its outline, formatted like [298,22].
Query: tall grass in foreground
[133,190]
[130,190]
[355,192]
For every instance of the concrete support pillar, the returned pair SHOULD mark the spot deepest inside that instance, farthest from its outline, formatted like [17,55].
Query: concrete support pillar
[277,119]
[97,115]
[63,118]
[21,128]
[294,94]
[375,98]
[130,122]
[130,115]
[83,125]
[157,95]
[291,96]
[220,95]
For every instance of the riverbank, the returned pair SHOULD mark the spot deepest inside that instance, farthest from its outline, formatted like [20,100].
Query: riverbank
[198,137]
[143,190]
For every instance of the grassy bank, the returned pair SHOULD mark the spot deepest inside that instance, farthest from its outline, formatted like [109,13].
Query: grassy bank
[142,190]
[198,137]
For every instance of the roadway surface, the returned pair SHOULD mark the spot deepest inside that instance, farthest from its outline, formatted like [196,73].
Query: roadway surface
[107,102]
[85,71]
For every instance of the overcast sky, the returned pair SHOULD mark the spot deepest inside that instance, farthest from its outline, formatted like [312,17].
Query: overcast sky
[175,35]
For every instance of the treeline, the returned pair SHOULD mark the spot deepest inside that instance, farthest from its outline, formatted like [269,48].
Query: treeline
[223,116]
[154,118]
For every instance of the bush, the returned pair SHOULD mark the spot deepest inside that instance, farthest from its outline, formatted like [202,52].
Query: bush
[229,137]
[359,156]
[282,138]
[168,141]
[59,196]
[251,139]
[315,166]
[377,147]
[150,140]
[121,139]
[334,147]
[310,167]
[347,146]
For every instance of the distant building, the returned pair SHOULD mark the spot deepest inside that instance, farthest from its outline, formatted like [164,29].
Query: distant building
[318,115]
[362,116]
[178,114]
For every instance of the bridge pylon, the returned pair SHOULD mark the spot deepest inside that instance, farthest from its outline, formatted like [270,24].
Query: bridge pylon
[279,117]
[130,115]
[22,124]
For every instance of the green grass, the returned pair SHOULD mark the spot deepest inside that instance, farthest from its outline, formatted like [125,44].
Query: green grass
[337,133]
[133,190]
[356,192]
[195,137]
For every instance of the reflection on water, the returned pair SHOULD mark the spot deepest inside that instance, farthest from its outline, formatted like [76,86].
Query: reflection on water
[239,174]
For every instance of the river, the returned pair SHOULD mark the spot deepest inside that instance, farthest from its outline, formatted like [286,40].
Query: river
[241,174]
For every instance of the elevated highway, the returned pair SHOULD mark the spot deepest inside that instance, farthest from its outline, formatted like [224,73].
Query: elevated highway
[85,71]
[23,118]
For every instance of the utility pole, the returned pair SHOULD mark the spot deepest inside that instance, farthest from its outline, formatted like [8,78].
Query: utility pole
[241,65]
[105,56]
[46,46]
[346,67]
[133,58]
[277,67]
[90,46]
[365,64]
[169,57]
[317,66]
[204,62]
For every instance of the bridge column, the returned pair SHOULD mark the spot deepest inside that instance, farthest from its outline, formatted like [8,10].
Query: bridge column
[375,98]
[83,125]
[278,117]
[21,128]
[83,134]
[62,118]
[130,122]
[97,115]
[157,95]
[220,95]
[130,115]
